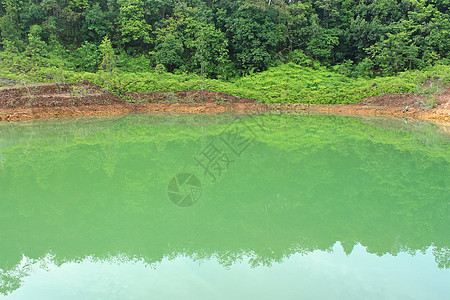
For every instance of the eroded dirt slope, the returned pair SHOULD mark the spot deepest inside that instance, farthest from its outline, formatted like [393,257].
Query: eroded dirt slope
[85,98]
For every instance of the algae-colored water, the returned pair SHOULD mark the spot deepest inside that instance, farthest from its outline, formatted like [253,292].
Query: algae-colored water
[224,207]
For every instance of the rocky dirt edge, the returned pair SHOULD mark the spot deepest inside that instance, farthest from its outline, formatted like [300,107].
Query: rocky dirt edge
[86,99]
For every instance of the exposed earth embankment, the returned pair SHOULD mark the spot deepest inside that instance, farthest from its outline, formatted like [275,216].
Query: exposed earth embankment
[86,99]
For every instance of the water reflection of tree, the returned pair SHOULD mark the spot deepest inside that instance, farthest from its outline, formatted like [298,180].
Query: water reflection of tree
[11,279]
[9,283]
[442,257]
[103,192]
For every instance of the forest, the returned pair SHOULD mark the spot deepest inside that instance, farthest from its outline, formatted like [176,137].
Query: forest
[223,39]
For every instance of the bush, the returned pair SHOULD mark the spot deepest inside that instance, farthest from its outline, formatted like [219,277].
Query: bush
[87,57]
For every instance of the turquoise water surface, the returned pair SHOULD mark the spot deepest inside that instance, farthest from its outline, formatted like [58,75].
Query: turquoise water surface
[229,206]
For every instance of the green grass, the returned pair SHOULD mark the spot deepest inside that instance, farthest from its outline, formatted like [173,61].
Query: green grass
[288,83]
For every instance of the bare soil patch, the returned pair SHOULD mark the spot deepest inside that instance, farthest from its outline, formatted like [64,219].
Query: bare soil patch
[57,95]
[432,107]
[410,105]
[85,98]
[201,97]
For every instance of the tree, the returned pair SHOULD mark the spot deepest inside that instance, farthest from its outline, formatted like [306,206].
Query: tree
[394,53]
[9,26]
[108,55]
[189,41]
[36,48]
[169,51]
[360,35]
[133,28]
[322,41]
[96,24]
[254,36]
[88,57]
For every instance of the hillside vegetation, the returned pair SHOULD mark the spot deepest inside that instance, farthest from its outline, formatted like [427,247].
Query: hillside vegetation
[325,51]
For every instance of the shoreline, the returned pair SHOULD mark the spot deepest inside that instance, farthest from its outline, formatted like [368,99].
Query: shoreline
[86,99]
[18,114]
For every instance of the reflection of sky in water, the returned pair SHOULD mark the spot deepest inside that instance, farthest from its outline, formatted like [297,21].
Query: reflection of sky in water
[315,275]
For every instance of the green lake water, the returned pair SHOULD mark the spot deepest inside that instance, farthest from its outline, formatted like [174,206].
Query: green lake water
[274,206]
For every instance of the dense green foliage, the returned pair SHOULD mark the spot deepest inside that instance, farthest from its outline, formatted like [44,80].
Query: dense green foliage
[226,38]
[288,83]
[326,51]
